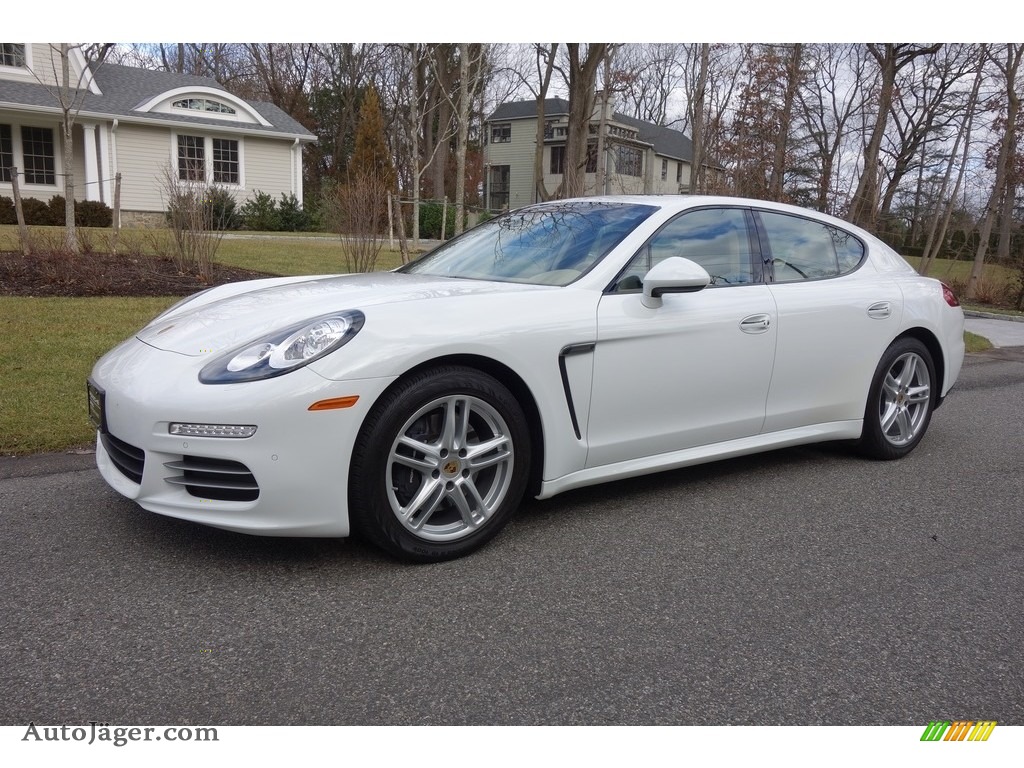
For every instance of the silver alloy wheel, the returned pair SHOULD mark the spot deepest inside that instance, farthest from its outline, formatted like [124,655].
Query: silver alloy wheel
[905,399]
[450,468]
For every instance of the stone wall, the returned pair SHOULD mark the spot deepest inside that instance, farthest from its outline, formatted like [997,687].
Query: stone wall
[143,219]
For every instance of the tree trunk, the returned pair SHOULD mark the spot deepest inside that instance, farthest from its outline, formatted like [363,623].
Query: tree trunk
[582,79]
[19,212]
[465,96]
[1010,190]
[697,113]
[864,207]
[778,175]
[937,230]
[1003,165]
[541,191]
[68,125]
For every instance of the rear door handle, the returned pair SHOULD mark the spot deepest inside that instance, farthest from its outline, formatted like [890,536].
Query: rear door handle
[880,310]
[755,324]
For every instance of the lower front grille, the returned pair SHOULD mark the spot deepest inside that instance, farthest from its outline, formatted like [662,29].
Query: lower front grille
[214,479]
[128,459]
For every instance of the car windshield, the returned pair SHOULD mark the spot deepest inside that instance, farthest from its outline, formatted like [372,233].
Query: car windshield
[550,244]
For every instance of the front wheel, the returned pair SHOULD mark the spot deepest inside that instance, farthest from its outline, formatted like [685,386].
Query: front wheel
[900,401]
[440,465]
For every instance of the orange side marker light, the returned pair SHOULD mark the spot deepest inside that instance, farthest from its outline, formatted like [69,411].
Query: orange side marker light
[334,403]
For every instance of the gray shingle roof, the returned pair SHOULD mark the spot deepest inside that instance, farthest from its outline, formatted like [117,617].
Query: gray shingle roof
[125,88]
[666,141]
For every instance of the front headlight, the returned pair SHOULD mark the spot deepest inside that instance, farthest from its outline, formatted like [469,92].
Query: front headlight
[284,350]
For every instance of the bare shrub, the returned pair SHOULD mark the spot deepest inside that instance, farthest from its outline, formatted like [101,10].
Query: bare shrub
[357,211]
[196,221]
[994,292]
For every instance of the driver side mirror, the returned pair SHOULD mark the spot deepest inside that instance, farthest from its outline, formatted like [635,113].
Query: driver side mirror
[673,275]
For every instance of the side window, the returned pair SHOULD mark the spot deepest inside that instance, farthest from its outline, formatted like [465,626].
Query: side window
[802,249]
[715,238]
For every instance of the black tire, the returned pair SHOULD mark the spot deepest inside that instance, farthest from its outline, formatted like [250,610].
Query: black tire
[440,465]
[900,402]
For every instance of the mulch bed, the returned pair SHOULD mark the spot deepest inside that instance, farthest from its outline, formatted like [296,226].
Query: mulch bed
[103,274]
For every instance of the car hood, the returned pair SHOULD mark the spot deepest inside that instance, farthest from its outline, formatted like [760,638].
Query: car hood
[218,325]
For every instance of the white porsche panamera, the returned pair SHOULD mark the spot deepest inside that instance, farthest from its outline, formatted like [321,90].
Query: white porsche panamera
[557,346]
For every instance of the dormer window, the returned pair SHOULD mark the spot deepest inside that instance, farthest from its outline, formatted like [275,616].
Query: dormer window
[204,105]
[12,55]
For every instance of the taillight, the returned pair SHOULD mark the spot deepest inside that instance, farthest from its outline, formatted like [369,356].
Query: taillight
[949,296]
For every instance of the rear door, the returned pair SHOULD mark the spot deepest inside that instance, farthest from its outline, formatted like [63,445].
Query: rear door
[834,320]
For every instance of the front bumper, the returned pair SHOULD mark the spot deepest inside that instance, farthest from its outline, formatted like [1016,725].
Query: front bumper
[298,460]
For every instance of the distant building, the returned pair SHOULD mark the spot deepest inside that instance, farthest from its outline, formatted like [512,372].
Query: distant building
[142,124]
[639,157]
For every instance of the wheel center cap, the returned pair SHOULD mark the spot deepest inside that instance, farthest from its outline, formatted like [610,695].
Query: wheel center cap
[451,468]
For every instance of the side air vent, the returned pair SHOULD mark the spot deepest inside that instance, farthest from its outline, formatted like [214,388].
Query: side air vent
[214,479]
[128,459]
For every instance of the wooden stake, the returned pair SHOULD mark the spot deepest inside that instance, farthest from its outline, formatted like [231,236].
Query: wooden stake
[26,246]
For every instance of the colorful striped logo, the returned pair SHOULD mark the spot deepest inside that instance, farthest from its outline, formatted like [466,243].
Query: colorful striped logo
[958,730]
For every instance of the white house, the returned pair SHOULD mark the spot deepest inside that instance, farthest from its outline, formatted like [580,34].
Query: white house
[142,124]
[639,157]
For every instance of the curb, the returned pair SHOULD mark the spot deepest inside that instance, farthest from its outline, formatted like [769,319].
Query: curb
[993,316]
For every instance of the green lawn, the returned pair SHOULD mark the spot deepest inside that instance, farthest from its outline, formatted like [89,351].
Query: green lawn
[278,253]
[47,348]
[976,343]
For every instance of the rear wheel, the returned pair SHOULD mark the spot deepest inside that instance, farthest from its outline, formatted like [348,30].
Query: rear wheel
[440,465]
[900,401]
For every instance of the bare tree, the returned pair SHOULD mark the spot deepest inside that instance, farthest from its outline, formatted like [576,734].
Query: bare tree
[711,76]
[471,58]
[926,104]
[941,216]
[415,107]
[833,96]
[697,113]
[793,73]
[1007,67]
[891,58]
[70,96]
[648,76]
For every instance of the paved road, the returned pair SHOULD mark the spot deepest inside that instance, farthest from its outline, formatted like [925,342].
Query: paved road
[802,586]
[1001,332]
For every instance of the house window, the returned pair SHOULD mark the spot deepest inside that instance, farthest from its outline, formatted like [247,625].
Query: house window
[498,180]
[225,161]
[591,157]
[664,170]
[6,153]
[191,158]
[204,105]
[558,160]
[37,151]
[501,133]
[679,173]
[12,54]
[629,161]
